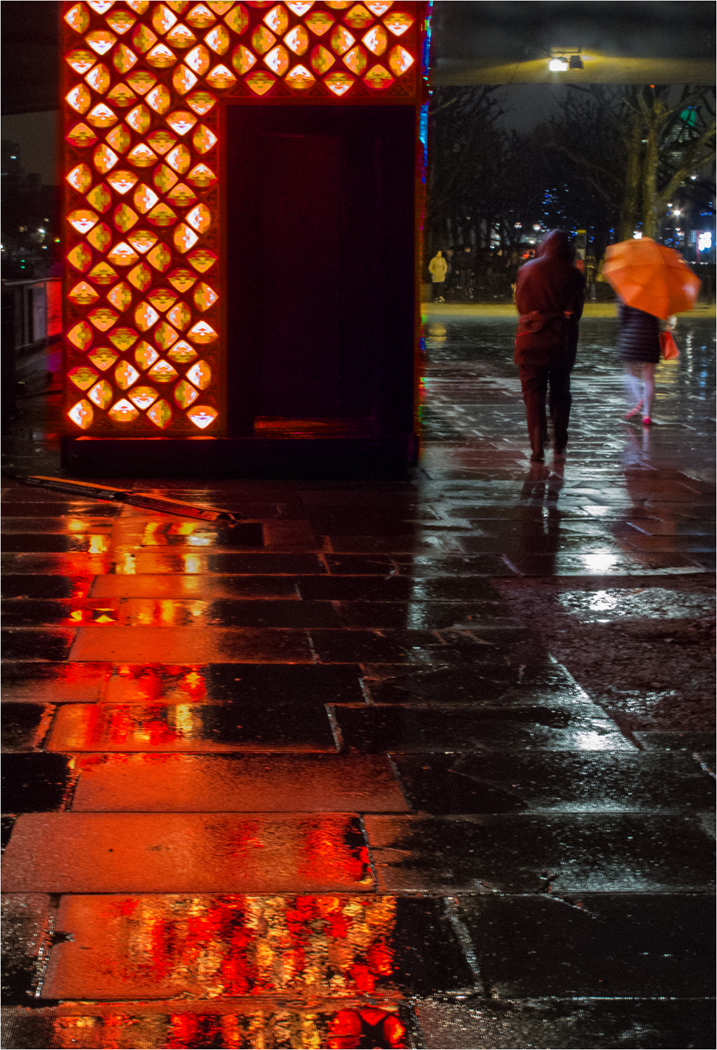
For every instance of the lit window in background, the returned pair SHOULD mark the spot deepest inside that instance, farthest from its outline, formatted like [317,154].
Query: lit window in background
[143,82]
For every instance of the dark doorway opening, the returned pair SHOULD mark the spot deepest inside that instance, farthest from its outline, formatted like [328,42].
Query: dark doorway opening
[320,263]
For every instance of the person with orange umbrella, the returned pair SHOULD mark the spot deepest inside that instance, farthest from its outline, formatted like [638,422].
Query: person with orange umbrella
[653,282]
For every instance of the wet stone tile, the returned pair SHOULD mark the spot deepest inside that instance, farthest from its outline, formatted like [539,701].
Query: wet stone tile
[186,853]
[377,588]
[470,682]
[656,741]
[35,783]
[192,586]
[72,565]
[524,853]
[34,509]
[47,543]
[25,920]
[564,1024]
[190,644]
[236,683]
[425,615]
[203,535]
[264,563]
[190,727]
[228,613]
[24,726]
[623,945]
[271,783]
[27,586]
[179,1024]
[560,782]
[57,683]
[350,646]
[236,945]
[7,824]
[33,644]
[393,728]
[33,612]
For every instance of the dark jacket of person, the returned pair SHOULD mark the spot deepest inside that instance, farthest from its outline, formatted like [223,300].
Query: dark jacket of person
[639,335]
[549,295]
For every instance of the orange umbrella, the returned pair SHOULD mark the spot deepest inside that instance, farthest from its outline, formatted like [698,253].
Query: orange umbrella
[651,277]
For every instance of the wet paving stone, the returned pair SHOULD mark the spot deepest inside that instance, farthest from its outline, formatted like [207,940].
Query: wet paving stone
[261,563]
[425,615]
[575,781]
[242,1023]
[190,727]
[57,683]
[26,586]
[14,507]
[193,586]
[29,612]
[34,644]
[471,682]
[186,853]
[271,783]
[358,646]
[241,683]
[522,853]
[190,644]
[46,543]
[25,921]
[72,565]
[233,683]
[622,945]
[35,783]
[25,726]
[568,1024]
[524,850]
[656,741]
[394,728]
[239,945]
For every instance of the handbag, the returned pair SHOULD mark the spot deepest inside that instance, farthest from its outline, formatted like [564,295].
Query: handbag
[668,346]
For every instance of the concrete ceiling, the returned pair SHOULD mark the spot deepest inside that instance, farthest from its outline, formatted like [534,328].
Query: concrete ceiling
[473,43]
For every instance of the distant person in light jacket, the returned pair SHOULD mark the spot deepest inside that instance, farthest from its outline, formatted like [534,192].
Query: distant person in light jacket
[549,294]
[438,267]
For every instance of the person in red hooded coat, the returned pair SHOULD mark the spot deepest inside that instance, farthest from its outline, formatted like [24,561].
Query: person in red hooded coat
[549,294]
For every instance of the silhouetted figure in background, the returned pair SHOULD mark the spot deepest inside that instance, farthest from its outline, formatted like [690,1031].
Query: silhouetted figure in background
[464,266]
[549,295]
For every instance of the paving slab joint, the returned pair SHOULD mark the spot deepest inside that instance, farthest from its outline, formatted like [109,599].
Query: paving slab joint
[463,937]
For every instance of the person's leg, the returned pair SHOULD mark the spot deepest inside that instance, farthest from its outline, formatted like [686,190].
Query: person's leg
[560,402]
[633,375]
[648,375]
[534,383]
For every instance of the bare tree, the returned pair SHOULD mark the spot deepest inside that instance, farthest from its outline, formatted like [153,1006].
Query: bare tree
[636,145]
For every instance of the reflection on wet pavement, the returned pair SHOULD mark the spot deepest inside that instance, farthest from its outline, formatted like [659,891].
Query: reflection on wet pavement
[343,775]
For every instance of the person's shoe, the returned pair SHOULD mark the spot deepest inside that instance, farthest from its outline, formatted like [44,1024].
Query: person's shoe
[646,421]
[633,411]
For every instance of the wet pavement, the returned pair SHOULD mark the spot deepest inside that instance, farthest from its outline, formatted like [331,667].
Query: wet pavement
[418,763]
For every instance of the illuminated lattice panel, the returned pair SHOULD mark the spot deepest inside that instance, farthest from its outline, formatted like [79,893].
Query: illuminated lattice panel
[143,325]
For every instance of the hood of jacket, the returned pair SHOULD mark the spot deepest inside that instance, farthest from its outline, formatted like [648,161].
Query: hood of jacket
[555,245]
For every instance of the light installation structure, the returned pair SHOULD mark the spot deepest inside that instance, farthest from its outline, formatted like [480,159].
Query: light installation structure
[143,89]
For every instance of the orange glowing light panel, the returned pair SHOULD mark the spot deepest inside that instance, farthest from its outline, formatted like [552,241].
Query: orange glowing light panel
[142,163]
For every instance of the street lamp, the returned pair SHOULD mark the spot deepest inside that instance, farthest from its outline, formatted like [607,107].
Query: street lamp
[564,58]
